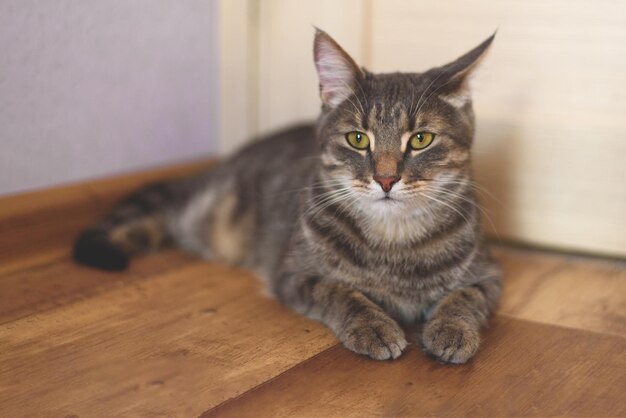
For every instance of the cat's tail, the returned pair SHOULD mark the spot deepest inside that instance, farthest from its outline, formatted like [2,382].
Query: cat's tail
[137,224]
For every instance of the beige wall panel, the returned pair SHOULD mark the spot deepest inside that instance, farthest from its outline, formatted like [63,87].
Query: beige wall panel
[550,103]
[288,83]
[238,26]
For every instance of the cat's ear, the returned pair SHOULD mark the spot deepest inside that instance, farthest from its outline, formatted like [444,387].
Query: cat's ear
[338,73]
[453,77]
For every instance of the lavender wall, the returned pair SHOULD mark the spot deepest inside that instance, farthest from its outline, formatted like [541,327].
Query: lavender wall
[89,88]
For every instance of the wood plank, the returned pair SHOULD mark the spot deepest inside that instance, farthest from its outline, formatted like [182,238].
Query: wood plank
[41,226]
[571,291]
[43,286]
[524,369]
[174,345]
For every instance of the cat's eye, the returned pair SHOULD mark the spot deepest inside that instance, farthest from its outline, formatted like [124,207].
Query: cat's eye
[421,140]
[358,140]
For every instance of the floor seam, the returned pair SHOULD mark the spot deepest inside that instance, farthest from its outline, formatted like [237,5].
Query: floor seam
[322,352]
[268,381]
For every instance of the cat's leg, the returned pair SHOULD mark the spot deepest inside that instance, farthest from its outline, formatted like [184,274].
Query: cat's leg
[360,324]
[452,333]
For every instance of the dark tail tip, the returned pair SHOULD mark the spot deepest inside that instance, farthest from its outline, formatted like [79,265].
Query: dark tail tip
[93,248]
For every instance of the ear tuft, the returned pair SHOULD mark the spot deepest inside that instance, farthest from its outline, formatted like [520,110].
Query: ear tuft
[337,71]
[453,86]
[464,65]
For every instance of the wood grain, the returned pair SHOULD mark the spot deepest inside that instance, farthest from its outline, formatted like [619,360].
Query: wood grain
[571,291]
[174,345]
[524,369]
[47,285]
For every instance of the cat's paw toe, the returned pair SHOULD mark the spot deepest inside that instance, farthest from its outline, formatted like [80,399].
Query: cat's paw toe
[450,341]
[381,338]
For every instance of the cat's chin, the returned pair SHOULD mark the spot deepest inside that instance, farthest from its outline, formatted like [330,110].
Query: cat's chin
[386,205]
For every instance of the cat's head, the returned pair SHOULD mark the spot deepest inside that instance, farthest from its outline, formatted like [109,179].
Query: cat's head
[394,141]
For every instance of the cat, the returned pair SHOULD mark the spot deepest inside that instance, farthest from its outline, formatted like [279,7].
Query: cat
[364,221]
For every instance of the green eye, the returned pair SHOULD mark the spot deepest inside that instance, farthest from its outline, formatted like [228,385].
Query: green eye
[358,140]
[421,140]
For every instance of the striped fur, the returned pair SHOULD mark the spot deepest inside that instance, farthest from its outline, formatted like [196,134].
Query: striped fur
[301,208]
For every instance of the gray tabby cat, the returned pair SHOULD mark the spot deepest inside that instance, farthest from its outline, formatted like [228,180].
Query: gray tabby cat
[363,221]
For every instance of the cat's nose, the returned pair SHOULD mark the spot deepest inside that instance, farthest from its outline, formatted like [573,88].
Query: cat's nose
[386,182]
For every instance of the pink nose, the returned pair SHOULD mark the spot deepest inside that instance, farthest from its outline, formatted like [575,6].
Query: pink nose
[386,182]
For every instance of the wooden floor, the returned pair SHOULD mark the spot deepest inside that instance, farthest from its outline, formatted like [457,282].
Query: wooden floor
[176,336]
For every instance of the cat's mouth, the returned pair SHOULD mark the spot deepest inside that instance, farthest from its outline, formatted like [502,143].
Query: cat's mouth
[388,198]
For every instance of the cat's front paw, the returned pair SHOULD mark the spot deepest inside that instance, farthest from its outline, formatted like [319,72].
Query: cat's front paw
[450,340]
[376,335]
